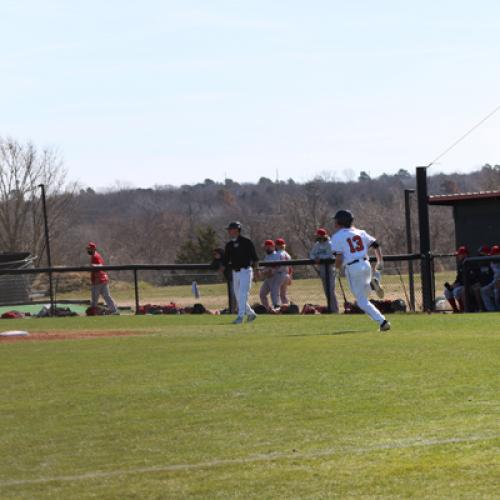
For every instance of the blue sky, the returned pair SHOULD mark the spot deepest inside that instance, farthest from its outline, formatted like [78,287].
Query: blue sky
[171,92]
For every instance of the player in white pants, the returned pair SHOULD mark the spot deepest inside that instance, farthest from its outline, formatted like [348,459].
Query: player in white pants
[351,245]
[273,279]
[242,281]
[241,256]
[285,271]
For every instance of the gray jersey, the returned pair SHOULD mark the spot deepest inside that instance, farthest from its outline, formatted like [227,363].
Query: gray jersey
[284,255]
[321,250]
[271,257]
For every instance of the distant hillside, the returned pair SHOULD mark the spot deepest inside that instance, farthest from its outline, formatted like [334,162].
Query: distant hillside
[149,225]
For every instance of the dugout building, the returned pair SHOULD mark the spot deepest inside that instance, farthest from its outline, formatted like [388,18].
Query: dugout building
[476,216]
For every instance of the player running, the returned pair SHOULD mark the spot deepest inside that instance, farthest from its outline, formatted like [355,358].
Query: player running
[351,245]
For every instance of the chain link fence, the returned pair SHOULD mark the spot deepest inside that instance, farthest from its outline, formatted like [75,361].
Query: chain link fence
[178,288]
[15,288]
[444,270]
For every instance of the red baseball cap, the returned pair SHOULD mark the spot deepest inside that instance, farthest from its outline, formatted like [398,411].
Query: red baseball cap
[495,250]
[462,250]
[280,241]
[269,243]
[321,232]
[484,249]
[92,245]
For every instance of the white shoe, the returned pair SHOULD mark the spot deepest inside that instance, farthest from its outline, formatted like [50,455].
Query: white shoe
[251,317]
[238,321]
[377,288]
[385,326]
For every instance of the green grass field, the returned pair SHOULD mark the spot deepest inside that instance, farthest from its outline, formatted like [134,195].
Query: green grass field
[286,407]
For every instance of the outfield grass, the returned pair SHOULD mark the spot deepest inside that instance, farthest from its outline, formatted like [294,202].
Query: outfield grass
[287,407]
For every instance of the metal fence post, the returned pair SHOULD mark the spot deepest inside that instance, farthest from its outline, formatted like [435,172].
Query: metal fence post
[47,248]
[230,300]
[433,280]
[326,268]
[425,240]
[136,291]
[409,248]
[467,305]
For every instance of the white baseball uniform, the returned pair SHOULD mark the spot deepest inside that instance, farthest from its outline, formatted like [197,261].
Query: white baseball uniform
[286,276]
[273,281]
[242,281]
[353,245]
[323,250]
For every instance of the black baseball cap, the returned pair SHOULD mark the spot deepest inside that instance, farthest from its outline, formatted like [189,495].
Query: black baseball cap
[344,217]
[234,225]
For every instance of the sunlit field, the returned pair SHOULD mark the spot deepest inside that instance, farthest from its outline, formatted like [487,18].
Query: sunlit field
[285,407]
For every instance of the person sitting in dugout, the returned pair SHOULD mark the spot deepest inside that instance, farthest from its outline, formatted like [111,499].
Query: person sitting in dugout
[490,293]
[455,292]
[481,275]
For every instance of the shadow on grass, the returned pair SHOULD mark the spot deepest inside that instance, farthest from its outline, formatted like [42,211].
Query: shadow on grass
[337,332]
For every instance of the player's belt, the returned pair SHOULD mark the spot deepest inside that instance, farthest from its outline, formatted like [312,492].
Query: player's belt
[354,261]
[238,269]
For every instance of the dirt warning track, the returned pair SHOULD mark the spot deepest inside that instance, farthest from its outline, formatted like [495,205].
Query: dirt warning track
[43,336]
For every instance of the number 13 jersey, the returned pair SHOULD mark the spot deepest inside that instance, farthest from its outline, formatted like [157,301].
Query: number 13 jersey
[351,243]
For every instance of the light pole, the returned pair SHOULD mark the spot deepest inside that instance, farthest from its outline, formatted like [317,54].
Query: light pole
[47,246]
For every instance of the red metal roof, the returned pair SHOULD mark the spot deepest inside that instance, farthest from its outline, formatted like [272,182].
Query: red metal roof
[453,199]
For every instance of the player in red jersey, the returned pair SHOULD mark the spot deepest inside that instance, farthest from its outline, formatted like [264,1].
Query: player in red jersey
[100,280]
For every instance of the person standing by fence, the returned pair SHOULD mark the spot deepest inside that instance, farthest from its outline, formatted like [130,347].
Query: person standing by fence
[218,264]
[273,278]
[240,254]
[99,280]
[322,250]
[287,271]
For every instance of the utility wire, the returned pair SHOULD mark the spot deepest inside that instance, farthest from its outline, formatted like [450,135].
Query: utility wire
[458,141]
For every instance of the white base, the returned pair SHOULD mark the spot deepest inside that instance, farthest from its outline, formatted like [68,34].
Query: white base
[14,333]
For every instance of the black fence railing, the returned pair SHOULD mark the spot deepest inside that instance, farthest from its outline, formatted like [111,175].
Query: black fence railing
[154,282]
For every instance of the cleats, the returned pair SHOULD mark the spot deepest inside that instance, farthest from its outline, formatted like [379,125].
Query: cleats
[385,326]
[377,288]
[251,317]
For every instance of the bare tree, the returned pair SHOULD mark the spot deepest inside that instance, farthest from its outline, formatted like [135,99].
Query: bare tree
[22,169]
[306,212]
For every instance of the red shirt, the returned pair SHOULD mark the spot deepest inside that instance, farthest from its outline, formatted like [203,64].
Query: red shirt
[98,277]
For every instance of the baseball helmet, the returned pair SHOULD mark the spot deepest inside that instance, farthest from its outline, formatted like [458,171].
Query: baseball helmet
[495,250]
[280,241]
[321,232]
[234,225]
[462,250]
[344,217]
[484,249]
[91,245]
[269,243]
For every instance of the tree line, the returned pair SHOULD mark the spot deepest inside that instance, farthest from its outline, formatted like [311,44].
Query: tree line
[165,224]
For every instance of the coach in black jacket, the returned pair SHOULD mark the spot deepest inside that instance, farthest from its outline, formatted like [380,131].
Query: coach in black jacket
[240,254]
